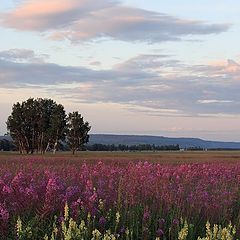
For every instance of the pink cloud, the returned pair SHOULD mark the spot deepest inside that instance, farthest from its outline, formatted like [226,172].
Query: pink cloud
[83,20]
[232,67]
[43,8]
[34,15]
[44,15]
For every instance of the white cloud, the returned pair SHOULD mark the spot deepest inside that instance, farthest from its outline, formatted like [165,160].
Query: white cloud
[207,101]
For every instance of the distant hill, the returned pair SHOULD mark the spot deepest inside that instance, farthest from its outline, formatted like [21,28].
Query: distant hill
[157,140]
[160,141]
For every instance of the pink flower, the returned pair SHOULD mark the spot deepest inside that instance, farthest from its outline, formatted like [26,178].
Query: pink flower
[4,214]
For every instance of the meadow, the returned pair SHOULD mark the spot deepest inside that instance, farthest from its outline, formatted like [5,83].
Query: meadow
[120,195]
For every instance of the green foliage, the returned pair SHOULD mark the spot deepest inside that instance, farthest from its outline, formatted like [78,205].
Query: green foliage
[87,228]
[77,131]
[37,125]
[23,233]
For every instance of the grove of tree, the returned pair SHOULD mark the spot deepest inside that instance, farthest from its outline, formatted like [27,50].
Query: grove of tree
[38,125]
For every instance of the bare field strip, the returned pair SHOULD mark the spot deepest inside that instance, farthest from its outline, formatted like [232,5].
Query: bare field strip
[122,157]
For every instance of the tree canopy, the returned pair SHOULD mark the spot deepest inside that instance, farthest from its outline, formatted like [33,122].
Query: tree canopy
[77,131]
[37,125]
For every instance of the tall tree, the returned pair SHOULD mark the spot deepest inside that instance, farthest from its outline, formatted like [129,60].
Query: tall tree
[37,125]
[77,131]
[57,126]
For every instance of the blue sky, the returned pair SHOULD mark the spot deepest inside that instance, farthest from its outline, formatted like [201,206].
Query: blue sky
[130,67]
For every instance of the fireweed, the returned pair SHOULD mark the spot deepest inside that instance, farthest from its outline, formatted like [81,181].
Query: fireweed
[122,201]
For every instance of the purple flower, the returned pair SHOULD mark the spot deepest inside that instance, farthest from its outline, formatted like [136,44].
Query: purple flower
[4,214]
[6,189]
[175,221]
[122,230]
[159,232]
[102,221]
[61,219]
[161,222]
[146,215]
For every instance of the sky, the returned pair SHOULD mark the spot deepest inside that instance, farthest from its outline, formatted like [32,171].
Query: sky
[166,68]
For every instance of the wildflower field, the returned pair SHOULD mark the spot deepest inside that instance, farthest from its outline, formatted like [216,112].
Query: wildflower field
[120,196]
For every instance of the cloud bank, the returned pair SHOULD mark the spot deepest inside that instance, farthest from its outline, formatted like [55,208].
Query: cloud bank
[154,84]
[86,20]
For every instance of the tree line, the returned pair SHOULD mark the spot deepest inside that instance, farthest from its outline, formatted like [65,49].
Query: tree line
[139,147]
[38,125]
[6,145]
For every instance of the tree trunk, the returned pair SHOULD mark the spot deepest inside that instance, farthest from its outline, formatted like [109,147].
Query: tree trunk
[46,147]
[27,146]
[41,143]
[55,147]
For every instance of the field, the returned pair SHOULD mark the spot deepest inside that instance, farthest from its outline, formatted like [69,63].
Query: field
[120,195]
